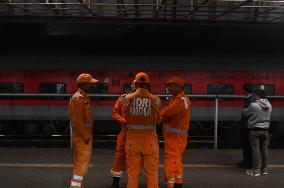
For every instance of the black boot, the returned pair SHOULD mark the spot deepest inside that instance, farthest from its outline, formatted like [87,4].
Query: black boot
[178,185]
[115,182]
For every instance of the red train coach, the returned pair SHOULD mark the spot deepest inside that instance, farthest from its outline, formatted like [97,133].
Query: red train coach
[118,81]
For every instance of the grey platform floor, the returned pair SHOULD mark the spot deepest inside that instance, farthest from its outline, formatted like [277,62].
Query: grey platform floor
[52,168]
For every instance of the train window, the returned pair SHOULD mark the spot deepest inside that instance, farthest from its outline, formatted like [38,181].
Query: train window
[268,88]
[127,88]
[11,87]
[187,89]
[115,82]
[99,88]
[52,88]
[220,89]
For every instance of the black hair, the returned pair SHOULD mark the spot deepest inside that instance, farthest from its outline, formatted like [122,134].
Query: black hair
[79,85]
[260,93]
[248,89]
[142,79]
[144,85]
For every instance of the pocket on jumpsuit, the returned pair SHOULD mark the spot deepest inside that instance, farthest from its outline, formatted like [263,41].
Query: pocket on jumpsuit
[130,147]
[151,153]
[152,148]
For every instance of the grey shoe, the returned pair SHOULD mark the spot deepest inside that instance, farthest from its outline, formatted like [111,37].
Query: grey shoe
[253,172]
[264,171]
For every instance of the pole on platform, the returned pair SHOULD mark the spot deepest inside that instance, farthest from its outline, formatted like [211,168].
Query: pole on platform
[216,124]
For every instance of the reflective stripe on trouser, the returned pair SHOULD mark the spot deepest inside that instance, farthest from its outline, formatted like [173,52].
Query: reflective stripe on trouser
[82,156]
[142,150]
[174,147]
[76,181]
[119,163]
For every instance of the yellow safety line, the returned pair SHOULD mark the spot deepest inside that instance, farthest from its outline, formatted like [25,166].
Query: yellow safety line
[220,166]
[52,165]
[37,165]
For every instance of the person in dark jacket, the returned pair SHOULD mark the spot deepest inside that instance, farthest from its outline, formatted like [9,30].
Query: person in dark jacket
[246,163]
[258,114]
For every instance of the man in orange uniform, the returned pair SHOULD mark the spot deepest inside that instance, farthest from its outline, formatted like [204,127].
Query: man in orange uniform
[81,119]
[142,114]
[119,163]
[176,124]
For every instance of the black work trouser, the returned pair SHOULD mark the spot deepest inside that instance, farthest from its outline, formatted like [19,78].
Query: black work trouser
[246,147]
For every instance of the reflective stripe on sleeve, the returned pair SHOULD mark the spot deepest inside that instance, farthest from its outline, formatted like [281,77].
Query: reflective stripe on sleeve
[175,130]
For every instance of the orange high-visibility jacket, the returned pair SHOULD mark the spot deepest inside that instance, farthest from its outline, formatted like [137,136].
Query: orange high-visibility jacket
[81,116]
[142,108]
[117,111]
[178,112]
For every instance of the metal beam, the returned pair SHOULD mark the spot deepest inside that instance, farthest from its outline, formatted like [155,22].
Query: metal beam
[136,7]
[196,8]
[121,8]
[159,7]
[274,19]
[263,12]
[233,8]
[48,4]
[13,6]
[88,8]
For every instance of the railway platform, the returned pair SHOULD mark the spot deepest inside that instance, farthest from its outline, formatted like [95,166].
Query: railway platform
[52,168]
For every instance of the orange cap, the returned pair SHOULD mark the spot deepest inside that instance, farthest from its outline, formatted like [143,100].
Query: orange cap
[141,77]
[176,80]
[86,78]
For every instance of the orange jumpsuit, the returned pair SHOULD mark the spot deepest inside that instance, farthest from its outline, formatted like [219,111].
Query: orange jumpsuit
[81,119]
[142,113]
[176,124]
[119,163]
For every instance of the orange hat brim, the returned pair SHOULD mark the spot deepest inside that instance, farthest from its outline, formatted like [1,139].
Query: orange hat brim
[93,81]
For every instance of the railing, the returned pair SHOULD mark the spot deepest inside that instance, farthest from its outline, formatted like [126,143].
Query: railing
[4,96]
[240,10]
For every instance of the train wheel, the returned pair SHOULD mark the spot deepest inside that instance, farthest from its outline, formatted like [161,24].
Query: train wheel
[47,129]
[31,128]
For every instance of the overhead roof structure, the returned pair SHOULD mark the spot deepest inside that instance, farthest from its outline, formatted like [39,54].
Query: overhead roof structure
[191,10]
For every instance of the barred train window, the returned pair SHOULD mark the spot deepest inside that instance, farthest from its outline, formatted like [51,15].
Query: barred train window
[52,88]
[127,88]
[187,89]
[101,88]
[11,87]
[269,89]
[220,89]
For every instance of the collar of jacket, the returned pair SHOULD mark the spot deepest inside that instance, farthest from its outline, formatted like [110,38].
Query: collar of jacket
[179,95]
[83,93]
